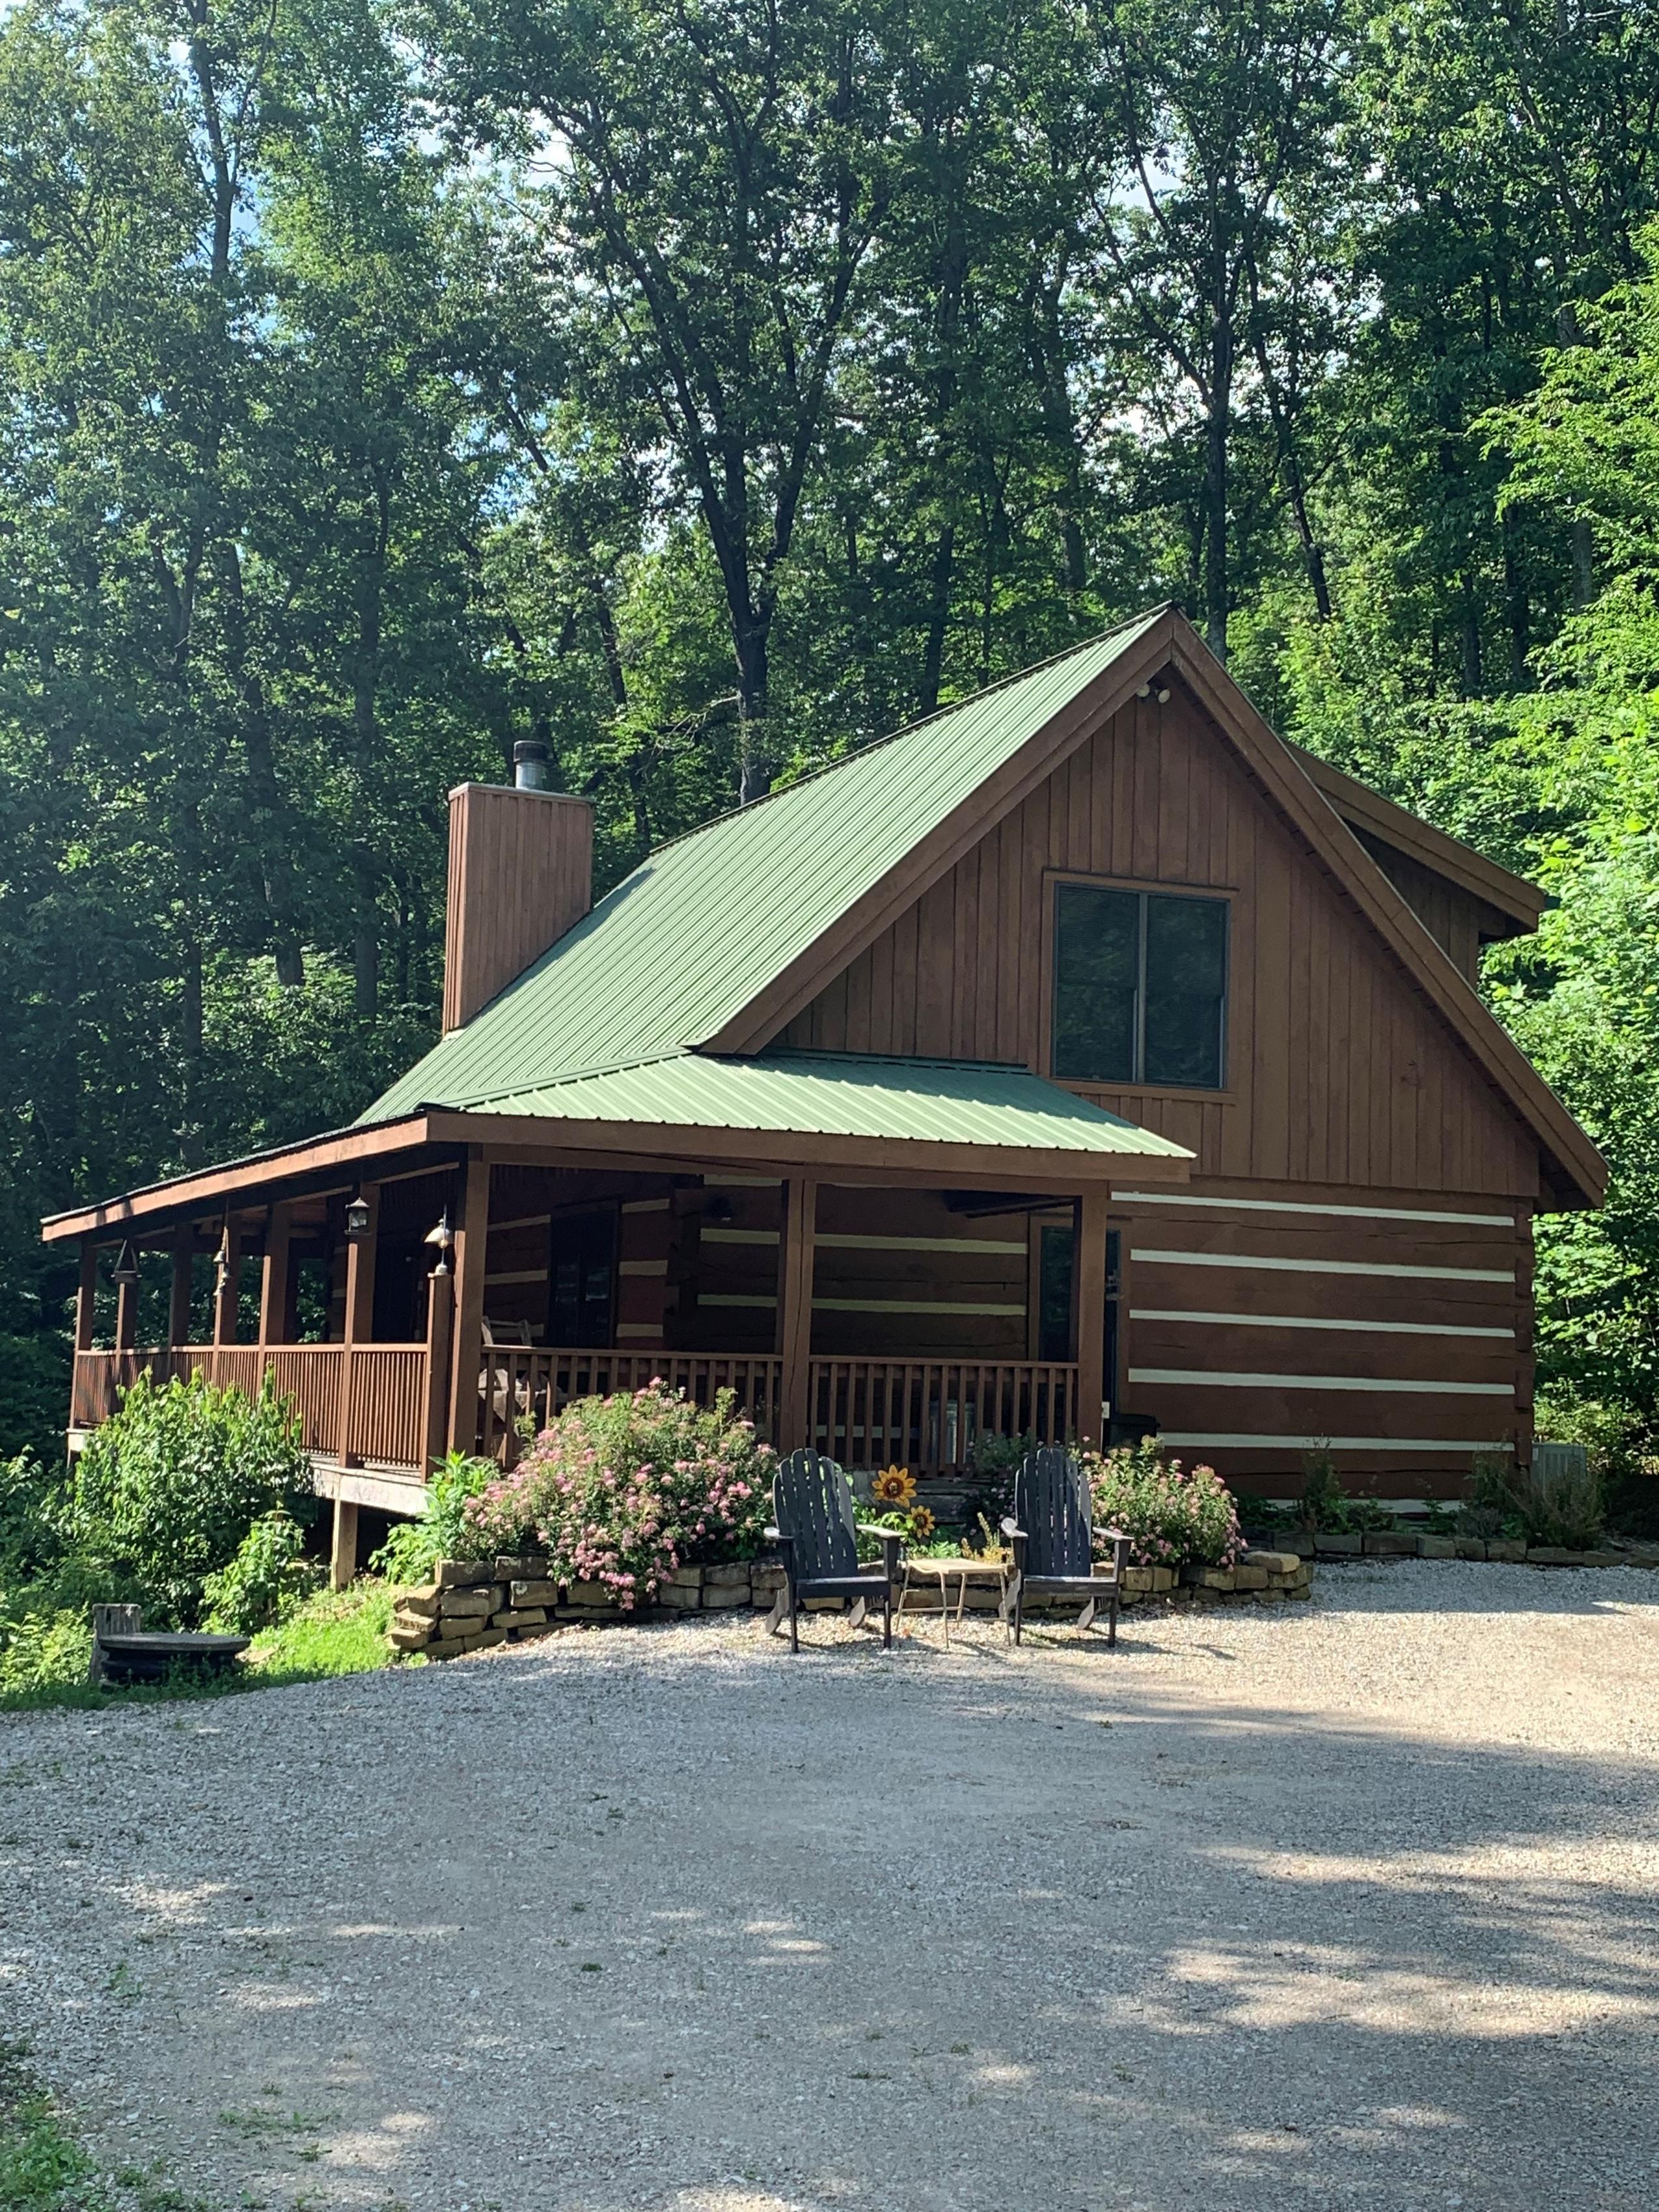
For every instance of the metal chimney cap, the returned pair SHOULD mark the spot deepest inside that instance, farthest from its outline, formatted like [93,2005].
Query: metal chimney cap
[530,765]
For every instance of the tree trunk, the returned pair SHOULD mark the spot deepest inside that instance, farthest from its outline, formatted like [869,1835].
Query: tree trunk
[753,767]
[939,615]
[1216,430]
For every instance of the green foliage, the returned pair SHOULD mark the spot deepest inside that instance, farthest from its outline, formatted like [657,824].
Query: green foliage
[620,1491]
[1326,1508]
[166,1491]
[413,1549]
[42,2169]
[1566,1507]
[267,1581]
[1174,1516]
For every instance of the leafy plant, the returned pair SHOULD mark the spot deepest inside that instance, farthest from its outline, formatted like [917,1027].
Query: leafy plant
[167,1489]
[621,1491]
[1563,1503]
[413,1549]
[267,1581]
[1326,1509]
[993,1461]
[1174,1516]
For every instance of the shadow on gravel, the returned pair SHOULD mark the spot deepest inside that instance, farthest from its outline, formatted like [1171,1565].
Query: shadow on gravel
[740,1934]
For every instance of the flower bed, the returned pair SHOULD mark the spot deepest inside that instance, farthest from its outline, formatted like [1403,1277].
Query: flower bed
[618,1493]
[1174,1516]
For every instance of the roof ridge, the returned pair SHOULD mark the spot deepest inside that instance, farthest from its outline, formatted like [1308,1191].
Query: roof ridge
[905,730]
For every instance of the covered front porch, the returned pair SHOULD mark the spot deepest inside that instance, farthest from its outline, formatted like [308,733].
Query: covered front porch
[446,1283]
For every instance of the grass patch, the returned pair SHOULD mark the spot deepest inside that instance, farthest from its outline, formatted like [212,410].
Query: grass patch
[336,1632]
[41,2168]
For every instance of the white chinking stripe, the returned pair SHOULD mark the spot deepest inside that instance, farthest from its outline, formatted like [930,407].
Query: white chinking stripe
[1319,1320]
[1297,1206]
[1260,1263]
[1210,1378]
[1228,1440]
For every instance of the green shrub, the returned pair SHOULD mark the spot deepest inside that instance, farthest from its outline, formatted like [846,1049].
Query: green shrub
[1325,1508]
[269,1579]
[621,1491]
[167,1489]
[413,1549]
[1173,1515]
[1623,1455]
[1564,1507]
[43,1648]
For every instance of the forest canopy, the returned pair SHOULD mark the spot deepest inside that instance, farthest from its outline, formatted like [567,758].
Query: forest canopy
[706,386]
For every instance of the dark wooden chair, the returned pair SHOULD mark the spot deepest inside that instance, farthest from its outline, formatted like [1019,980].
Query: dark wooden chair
[817,1534]
[1051,1534]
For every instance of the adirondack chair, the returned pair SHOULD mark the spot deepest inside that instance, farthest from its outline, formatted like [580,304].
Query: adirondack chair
[818,1536]
[1051,1535]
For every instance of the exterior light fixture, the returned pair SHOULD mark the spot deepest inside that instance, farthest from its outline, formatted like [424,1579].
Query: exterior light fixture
[444,1237]
[718,1208]
[357,1218]
[125,1269]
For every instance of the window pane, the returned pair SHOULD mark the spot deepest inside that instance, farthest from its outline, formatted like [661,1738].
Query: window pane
[1055,1318]
[1096,960]
[1186,983]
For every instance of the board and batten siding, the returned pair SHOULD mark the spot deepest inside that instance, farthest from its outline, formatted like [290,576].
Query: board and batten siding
[1338,1071]
[1376,1321]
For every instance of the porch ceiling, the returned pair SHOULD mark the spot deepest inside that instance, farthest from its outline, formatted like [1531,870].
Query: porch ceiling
[928,1102]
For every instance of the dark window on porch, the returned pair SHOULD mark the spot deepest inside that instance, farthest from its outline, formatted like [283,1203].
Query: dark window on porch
[1055,1257]
[581,1278]
[1140,987]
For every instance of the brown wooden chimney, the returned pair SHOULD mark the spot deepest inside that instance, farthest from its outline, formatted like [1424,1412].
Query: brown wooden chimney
[520,874]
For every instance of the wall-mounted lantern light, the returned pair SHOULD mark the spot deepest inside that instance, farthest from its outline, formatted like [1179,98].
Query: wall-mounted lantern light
[444,1237]
[357,1218]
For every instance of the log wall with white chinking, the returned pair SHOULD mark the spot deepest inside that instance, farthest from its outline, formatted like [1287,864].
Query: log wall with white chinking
[1257,1324]
[1376,1289]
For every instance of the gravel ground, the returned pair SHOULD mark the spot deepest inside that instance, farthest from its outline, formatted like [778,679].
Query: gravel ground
[1352,1903]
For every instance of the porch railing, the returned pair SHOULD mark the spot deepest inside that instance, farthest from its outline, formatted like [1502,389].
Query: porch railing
[925,1414]
[521,1382]
[362,1402]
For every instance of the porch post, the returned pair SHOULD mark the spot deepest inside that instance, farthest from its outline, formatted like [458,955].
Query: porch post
[86,1295]
[800,1205]
[1091,1276]
[183,1247]
[471,1237]
[226,1296]
[276,1301]
[439,1329]
[359,1327]
[342,1551]
[126,1314]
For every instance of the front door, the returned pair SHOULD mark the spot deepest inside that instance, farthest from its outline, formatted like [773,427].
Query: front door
[581,1278]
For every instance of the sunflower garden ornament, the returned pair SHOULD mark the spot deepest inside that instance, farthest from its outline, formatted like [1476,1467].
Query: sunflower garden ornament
[893,1486]
[923,1524]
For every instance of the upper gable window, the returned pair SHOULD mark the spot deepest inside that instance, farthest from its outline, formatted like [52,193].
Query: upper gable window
[1140,987]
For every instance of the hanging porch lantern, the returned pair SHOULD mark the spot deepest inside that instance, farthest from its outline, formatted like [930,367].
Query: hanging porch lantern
[357,1218]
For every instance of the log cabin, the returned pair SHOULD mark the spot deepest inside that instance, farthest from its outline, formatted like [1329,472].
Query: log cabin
[1085,1055]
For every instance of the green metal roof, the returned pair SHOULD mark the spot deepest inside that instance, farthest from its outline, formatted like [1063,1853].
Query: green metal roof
[685,943]
[950,1101]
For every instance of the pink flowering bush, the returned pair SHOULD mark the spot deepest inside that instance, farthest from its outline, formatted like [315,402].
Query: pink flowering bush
[622,1491]
[1173,1515]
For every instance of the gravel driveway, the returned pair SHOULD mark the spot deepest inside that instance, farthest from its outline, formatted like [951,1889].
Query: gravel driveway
[1348,1904]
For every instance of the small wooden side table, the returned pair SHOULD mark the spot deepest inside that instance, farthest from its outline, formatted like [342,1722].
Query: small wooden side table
[961,1570]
